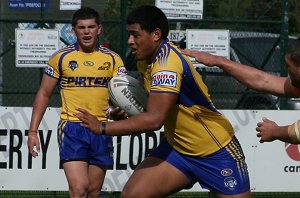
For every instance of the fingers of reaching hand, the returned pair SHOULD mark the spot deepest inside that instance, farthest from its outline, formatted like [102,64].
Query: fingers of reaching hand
[261,141]
[258,134]
[81,115]
[258,129]
[259,124]
[118,114]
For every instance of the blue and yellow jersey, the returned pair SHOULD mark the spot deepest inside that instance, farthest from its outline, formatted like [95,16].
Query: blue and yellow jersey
[194,127]
[83,79]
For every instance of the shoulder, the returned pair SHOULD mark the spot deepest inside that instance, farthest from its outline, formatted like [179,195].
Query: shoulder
[290,89]
[65,50]
[107,51]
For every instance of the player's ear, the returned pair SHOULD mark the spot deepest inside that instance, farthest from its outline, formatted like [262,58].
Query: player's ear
[157,34]
[73,30]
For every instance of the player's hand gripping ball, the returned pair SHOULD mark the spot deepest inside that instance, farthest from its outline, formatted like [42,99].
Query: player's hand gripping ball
[128,93]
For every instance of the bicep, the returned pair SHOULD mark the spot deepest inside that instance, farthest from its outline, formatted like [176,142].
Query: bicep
[281,86]
[48,85]
[272,84]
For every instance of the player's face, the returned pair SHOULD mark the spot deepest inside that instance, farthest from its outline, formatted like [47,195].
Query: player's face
[87,32]
[142,43]
[293,70]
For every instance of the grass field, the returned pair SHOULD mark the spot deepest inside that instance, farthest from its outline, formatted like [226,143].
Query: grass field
[47,194]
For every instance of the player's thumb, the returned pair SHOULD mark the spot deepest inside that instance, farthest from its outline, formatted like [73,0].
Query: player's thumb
[266,119]
[38,148]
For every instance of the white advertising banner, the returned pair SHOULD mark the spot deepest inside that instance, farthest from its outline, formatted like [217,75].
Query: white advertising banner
[35,46]
[273,167]
[181,9]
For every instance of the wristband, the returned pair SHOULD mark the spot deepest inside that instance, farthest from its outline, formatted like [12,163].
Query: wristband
[103,128]
[32,132]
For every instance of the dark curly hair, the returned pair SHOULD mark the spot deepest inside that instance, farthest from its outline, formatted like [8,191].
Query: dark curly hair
[149,17]
[85,13]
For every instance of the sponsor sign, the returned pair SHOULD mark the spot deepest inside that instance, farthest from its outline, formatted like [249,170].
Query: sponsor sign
[272,166]
[164,78]
[34,47]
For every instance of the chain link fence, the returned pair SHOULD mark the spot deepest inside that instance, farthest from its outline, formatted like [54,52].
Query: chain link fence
[258,37]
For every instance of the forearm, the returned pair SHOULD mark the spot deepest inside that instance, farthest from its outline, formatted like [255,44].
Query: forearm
[249,76]
[286,134]
[39,108]
[133,125]
[281,133]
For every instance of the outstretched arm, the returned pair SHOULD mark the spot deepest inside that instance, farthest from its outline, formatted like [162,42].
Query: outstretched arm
[250,76]
[158,108]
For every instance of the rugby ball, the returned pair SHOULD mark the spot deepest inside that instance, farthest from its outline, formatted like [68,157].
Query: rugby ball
[128,93]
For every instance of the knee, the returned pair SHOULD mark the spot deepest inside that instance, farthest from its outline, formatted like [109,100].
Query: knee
[94,193]
[78,191]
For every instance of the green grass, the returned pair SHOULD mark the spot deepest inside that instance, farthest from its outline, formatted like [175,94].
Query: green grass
[63,194]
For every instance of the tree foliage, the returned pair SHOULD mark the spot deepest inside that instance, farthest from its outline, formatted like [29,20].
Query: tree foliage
[230,10]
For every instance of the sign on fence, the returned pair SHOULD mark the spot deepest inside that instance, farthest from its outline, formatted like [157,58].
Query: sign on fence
[178,9]
[34,47]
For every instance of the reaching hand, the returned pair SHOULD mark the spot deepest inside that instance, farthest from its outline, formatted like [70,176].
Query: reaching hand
[266,130]
[88,120]
[202,57]
[118,114]
[33,144]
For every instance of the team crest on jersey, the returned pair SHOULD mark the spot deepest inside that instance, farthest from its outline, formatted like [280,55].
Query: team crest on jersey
[230,182]
[49,70]
[73,64]
[122,70]
[164,78]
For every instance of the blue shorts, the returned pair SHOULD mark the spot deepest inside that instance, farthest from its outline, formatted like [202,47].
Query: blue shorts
[77,143]
[224,171]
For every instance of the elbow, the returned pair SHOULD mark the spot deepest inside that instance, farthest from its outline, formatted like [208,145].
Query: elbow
[157,123]
[157,126]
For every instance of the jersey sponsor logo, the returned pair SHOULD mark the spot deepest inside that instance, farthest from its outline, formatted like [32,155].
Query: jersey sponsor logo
[105,66]
[49,70]
[88,63]
[164,78]
[226,172]
[73,65]
[122,70]
[83,81]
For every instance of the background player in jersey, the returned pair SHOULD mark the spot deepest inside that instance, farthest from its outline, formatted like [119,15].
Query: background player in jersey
[200,145]
[256,79]
[82,72]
